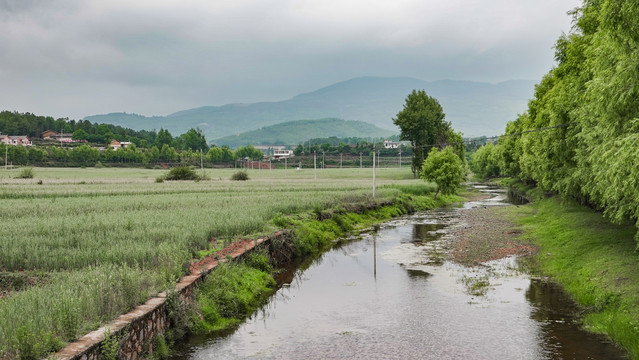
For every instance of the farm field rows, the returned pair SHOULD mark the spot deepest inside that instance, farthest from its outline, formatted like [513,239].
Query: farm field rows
[81,246]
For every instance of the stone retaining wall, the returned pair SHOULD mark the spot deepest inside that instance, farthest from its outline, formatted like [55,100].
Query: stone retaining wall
[138,328]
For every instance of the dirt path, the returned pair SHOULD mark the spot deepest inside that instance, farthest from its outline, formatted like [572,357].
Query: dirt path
[485,234]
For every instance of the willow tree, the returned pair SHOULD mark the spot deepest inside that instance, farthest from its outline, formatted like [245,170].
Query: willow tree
[421,122]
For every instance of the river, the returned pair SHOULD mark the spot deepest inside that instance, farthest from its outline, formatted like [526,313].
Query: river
[394,294]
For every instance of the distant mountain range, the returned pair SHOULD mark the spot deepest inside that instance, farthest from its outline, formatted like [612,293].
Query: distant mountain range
[295,132]
[475,108]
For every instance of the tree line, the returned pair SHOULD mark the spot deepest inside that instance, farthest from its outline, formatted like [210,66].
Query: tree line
[590,104]
[85,155]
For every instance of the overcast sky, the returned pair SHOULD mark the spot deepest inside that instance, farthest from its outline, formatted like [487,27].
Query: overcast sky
[73,58]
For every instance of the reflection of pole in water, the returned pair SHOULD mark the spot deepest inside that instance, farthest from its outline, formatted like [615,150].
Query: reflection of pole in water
[375,257]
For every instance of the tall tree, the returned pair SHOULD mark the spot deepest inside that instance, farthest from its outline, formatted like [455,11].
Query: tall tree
[164,138]
[192,140]
[421,122]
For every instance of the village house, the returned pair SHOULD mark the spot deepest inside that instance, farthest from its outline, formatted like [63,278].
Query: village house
[48,135]
[115,145]
[22,140]
[52,135]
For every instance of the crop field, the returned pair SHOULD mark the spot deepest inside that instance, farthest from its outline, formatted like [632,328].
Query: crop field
[81,246]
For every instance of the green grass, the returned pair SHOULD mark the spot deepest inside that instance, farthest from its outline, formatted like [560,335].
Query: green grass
[594,260]
[230,294]
[116,232]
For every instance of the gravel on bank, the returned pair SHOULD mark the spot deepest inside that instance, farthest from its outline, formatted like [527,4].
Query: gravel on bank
[485,233]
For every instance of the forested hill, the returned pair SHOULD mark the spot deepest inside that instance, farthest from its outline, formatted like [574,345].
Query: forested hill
[591,98]
[474,108]
[14,123]
[294,132]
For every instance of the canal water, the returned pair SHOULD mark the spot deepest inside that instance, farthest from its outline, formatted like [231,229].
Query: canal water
[394,294]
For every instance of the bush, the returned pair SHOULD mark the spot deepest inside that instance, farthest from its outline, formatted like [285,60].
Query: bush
[240,176]
[26,173]
[182,173]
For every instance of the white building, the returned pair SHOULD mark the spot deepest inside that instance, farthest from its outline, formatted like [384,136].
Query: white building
[282,154]
[390,144]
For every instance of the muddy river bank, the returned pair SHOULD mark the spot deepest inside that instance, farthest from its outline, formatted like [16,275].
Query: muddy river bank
[412,291]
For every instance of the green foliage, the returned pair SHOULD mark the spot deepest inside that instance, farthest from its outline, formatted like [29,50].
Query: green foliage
[485,162]
[259,259]
[80,134]
[230,294]
[110,349]
[164,138]
[420,189]
[219,154]
[161,348]
[26,173]
[30,345]
[192,140]
[240,176]
[444,168]
[248,152]
[593,96]
[421,122]
[182,173]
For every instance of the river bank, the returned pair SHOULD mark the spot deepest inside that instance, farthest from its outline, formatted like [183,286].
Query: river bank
[399,293]
[594,260]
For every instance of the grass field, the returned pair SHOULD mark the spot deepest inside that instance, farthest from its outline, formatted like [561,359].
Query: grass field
[80,246]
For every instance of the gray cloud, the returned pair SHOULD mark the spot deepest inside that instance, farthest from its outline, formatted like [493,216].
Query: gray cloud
[75,58]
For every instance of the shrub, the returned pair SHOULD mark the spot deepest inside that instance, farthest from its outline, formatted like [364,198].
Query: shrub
[181,173]
[240,176]
[26,173]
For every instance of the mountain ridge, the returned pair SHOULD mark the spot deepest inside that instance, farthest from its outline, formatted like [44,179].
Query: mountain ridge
[297,131]
[475,108]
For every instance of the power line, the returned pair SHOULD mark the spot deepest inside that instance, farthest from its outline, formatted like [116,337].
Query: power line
[499,136]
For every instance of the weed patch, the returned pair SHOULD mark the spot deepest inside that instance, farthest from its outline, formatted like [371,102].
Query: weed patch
[229,295]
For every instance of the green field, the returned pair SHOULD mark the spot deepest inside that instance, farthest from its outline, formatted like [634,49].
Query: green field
[81,246]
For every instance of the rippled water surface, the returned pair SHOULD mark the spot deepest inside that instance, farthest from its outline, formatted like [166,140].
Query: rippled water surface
[412,304]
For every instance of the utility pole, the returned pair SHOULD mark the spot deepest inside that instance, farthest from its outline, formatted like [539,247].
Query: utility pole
[373,170]
[323,161]
[6,150]
[360,160]
[201,161]
[315,164]
[340,160]
[400,158]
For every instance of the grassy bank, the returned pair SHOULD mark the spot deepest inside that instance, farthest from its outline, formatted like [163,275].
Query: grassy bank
[594,260]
